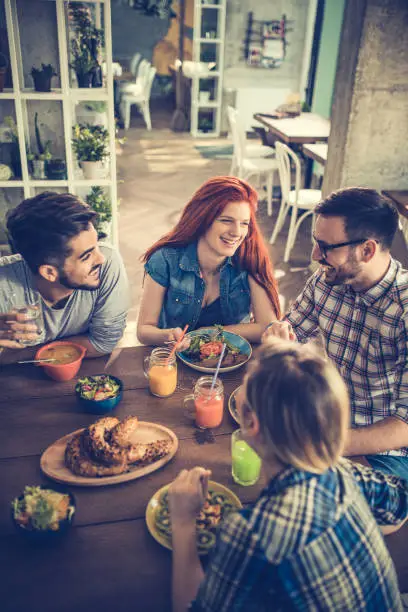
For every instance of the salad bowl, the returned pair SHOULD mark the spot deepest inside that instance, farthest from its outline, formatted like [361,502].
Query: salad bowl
[99,394]
[43,513]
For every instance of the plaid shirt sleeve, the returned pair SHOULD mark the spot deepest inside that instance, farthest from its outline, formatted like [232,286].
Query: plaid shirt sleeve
[302,315]
[236,567]
[386,495]
[401,375]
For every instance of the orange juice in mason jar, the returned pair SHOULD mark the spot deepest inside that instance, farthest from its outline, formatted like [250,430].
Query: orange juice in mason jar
[208,403]
[161,372]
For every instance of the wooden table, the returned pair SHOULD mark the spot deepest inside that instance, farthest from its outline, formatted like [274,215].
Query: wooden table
[317,152]
[108,561]
[306,128]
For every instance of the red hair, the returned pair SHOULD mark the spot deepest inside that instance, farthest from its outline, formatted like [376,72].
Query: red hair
[205,206]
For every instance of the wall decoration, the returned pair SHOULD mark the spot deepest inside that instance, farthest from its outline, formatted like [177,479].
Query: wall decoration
[265,42]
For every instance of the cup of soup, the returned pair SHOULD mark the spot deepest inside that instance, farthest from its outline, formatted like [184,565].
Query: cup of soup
[160,368]
[206,405]
[67,358]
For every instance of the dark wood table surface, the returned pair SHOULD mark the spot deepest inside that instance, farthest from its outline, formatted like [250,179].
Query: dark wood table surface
[108,561]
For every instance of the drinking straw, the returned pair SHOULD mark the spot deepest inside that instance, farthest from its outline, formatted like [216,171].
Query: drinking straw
[217,369]
[179,341]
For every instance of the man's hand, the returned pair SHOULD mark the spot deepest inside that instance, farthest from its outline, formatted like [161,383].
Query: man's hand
[15,331]
[187,495]
[279,329]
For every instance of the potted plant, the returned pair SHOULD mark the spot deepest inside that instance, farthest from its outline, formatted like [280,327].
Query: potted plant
[3,69]
[12,136]
[90,143]
[99,201]
[56,169]
[83,63]
[42,77]
[86,47]
[39,160]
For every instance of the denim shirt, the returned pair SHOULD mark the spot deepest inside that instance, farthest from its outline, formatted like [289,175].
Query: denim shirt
[177,269]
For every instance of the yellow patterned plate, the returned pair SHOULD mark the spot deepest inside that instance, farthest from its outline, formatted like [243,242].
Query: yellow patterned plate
[154,506]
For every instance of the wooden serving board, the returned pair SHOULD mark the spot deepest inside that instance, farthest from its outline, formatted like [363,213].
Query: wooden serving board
[53,466]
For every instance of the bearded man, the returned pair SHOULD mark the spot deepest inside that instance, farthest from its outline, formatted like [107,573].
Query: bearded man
[80,284]
[358,301]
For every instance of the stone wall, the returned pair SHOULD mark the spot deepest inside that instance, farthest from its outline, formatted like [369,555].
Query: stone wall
[237,73]
[367,144]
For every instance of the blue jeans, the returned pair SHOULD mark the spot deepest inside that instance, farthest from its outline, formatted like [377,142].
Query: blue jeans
[396,466]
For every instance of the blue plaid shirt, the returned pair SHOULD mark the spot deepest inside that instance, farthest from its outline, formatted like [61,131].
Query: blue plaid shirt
[310,542]
[366,336]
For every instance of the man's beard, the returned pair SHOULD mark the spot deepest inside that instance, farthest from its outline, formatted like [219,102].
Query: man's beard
[65,282]
[343,275]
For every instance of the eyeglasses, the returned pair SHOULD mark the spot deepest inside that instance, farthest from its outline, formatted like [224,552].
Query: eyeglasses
[325,248]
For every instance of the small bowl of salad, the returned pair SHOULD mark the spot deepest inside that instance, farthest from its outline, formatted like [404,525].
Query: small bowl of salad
[100,393]
[42,513]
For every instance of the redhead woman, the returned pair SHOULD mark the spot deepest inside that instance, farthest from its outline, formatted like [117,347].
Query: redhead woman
[212,268]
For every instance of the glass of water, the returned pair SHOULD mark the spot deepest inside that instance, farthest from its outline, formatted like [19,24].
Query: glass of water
[31,312]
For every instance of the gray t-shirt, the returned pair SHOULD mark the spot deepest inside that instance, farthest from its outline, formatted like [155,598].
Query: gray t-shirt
[100,314]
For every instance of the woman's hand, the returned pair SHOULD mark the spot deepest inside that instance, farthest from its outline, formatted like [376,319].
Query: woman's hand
[175,334]
[187,495]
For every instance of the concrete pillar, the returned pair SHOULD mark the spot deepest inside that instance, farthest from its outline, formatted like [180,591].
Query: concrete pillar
[369,119]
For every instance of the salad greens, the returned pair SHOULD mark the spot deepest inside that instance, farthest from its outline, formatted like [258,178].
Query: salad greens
[199,340]
[41,509]
[97,387]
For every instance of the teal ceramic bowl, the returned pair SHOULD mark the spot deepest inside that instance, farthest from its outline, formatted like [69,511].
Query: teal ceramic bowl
[103,406]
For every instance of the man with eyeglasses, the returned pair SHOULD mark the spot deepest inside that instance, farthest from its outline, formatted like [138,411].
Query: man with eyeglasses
[358,301]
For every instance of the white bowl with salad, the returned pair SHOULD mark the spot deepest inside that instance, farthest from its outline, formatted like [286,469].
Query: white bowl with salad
[100,393]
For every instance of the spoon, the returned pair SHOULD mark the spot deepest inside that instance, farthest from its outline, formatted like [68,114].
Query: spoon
[37,361]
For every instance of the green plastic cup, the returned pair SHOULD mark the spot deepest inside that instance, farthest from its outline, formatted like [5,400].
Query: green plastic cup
[246,464]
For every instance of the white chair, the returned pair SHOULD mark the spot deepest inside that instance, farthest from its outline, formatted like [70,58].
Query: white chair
[129,86]
[134,62]
[297,199]
[250,159]
[139,96]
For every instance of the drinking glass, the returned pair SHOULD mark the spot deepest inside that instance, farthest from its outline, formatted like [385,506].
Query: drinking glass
[161,372]
[246,464]
[208,404]
[29,312]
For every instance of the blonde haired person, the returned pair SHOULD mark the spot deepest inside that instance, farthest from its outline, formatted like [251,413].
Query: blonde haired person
[312,540]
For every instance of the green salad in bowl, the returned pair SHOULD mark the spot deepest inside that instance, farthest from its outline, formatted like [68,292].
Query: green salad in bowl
[100,393]
[40,510]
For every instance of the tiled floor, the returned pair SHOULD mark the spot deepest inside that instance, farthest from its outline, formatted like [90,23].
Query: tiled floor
[158,171]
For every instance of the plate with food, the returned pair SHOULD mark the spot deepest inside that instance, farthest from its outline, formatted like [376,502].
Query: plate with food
[232,405]
[219,503]
[206,346]
[109,451]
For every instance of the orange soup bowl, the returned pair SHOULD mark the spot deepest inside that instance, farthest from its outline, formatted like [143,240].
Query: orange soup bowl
[68,357]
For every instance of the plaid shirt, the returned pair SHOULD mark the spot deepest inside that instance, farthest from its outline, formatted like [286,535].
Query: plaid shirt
[309,543]
[366,336]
